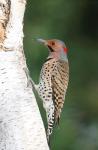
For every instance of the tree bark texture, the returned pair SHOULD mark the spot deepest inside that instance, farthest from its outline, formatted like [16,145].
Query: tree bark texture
[21,126]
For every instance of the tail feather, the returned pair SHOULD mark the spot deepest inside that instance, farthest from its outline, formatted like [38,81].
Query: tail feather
[51,122]
[57,113]
[57,120]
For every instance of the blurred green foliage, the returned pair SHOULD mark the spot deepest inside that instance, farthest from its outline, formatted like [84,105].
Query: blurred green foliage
[76,23]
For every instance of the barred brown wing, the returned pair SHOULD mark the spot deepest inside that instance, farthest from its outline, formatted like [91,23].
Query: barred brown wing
[59,80]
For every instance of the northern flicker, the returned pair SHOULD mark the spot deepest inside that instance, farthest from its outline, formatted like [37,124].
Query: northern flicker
[53,81]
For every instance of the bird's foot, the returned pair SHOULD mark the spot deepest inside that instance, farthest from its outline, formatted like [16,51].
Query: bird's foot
[30,82]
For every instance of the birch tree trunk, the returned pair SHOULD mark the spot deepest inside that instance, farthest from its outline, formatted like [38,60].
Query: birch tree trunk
[21,126]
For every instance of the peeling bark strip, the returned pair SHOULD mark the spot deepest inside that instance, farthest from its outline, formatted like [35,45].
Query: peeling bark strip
[21,126]
[4,17]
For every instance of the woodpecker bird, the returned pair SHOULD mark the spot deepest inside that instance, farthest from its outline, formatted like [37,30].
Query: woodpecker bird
[53,81]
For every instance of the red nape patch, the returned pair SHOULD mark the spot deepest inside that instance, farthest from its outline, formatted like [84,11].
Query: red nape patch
[65,49]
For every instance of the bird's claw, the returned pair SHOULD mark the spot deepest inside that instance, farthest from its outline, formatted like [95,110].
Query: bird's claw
[29,80]
[28,77]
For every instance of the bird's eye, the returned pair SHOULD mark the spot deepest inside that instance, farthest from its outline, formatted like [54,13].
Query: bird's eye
[52,43]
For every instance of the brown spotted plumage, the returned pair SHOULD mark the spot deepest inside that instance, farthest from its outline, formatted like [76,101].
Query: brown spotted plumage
[59,81]
[53,81]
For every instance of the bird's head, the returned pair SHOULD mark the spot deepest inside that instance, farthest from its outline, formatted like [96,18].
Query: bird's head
[57,48]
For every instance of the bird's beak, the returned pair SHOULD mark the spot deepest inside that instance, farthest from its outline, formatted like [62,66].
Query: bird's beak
[42,41]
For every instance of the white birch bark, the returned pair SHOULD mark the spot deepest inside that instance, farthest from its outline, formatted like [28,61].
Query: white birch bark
[21,126]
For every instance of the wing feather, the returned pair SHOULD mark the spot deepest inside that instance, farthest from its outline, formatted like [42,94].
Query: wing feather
[59,80]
